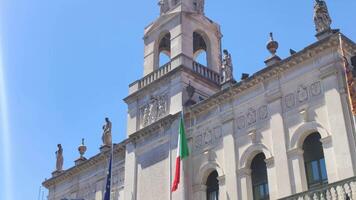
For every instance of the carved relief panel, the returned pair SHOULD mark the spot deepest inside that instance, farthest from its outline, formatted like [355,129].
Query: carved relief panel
[303,94]
[155,109]
[206,138]
[252,116]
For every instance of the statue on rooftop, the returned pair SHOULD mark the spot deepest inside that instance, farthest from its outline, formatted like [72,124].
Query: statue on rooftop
[59,158]
[164,6]
[322,18]
[107,137]
[227,68]
[199,5]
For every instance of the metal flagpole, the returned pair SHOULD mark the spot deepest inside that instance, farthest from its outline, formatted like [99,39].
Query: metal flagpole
[42,195]
[39,194]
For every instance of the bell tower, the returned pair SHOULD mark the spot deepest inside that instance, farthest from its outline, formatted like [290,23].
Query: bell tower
[191,45]
[182,29]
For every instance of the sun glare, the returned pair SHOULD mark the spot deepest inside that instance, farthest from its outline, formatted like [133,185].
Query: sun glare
[5,136]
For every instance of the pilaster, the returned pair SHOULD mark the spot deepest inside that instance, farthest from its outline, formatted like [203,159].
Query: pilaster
[130,172]
[229,157]
[282,181]
[298,170]
[338,129]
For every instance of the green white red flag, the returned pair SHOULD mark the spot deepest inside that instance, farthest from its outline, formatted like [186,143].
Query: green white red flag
[182,153]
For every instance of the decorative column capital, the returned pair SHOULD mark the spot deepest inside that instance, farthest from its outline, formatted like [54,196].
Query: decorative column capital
[326,141]
[222,180]
[244,172]
[296,152]
[269,162]
[199,188]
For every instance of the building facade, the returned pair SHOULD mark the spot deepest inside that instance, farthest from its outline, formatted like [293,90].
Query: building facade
[286,132]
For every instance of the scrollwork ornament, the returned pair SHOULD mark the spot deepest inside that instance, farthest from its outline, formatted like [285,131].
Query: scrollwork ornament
[241,122]
[315,89]
[302,94]
[251,116]
[263,112]
[289,100]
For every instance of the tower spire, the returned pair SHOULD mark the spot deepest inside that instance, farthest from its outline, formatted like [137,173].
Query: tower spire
[168,6]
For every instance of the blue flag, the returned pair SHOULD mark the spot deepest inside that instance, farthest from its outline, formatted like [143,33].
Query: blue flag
[108,182]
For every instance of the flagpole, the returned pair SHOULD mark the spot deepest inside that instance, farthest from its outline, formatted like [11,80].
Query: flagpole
[39,194]
[170,165]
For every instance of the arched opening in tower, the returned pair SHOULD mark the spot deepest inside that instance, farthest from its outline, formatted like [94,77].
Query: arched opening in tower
[200,49]
[165,50]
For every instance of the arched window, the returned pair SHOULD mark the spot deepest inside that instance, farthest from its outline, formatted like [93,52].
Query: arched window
[259,178]
[165,50]
[212,186]
[314,161]
[200,49]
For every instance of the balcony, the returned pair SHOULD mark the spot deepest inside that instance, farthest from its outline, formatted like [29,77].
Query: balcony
[176,62]
[342,190]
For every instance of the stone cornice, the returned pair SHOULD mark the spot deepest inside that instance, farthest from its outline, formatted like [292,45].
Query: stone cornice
[66,174]
[274,70]
[118,148]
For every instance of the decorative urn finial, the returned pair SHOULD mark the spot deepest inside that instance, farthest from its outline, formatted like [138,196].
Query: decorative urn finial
[82,149]
[272,47]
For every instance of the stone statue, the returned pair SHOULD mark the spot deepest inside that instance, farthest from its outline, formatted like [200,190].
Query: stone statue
[322,18]
[200,6]
[227,68]
[106,137]
[59,158]
[164,6]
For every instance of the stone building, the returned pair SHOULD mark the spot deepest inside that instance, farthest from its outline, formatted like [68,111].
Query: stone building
[286,132]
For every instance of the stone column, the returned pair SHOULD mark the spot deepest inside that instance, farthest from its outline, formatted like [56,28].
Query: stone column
[337,126]
[278,135]
[130,173]
[244,175]
[229,155]
[296,160]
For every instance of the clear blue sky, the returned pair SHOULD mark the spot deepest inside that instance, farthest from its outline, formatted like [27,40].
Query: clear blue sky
[67,65]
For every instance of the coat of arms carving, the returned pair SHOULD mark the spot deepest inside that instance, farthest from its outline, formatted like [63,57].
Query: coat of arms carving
[154,110]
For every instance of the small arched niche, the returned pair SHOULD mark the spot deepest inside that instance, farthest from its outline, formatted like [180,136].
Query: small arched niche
[200,49]
[212,186]
[164,50]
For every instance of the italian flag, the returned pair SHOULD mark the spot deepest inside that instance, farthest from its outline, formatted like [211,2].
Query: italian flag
[182,153]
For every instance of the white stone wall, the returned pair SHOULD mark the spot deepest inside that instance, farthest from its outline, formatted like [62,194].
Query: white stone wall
[274,118]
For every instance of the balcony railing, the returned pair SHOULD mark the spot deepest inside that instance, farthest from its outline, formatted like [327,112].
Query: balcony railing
[206,72]
[180,60]
[154,75]
[343,190]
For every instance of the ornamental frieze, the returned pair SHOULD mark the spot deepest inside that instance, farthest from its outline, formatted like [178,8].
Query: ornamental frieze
[155,109]
[302,95]
[206,139]
[252,116]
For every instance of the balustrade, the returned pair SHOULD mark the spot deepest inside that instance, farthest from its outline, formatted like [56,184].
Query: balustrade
[343,190]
